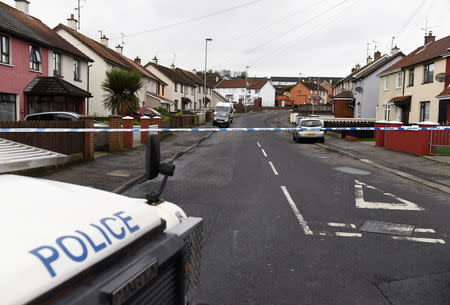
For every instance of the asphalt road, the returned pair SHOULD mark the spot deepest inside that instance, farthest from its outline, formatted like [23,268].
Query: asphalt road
[282,225]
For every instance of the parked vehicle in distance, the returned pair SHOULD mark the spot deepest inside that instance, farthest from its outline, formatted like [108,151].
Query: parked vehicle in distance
[223,114]
[300,135]
[145,111]
[58,116]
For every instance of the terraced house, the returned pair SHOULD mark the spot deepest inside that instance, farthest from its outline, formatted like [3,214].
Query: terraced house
[410,92]
[39,70]
[152,93]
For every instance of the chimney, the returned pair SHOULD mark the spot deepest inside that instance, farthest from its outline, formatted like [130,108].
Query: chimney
[395,50]
[430,38]
[194,71]
[172,66]
[104,41]
[357,66]
[23,6]
[72,22]
[377,55]
[217,79]
[369,59]
[119,49]
[353,70]
[155,60]
[137,60]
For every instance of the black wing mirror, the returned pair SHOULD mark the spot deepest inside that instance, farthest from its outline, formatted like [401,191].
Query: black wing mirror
[154,167]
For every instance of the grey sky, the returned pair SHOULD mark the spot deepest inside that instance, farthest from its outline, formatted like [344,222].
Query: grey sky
[275,38]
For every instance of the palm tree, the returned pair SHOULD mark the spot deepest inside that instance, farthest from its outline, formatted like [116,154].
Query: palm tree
[121,87]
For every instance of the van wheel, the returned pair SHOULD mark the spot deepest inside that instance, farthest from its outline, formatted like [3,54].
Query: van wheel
[299,140]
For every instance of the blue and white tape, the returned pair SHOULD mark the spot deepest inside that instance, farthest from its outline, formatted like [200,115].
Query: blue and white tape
[405,128]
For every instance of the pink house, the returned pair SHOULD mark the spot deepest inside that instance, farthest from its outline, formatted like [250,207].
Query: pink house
[32,61]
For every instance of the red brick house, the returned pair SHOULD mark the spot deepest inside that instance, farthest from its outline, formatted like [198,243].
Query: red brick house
[306,92]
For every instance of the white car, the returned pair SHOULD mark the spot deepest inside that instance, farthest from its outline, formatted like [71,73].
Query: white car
[314,134]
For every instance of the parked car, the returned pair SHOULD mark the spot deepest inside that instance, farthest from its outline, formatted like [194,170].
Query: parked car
[145,111]
[59,116]
[300,135]
[188,112]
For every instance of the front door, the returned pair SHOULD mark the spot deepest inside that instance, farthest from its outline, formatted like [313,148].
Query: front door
[444,112]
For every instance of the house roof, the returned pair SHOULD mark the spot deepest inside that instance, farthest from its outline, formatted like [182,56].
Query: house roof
[378,64]
[422,54]
[446,92]
[16,23]
[401,98]
[108,54]
[312,86]
[253,83]
[173,75]
[344,95]
[220,95]
[284,79]
[47,85]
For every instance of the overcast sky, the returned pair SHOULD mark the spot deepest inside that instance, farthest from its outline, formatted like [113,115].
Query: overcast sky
[273,37]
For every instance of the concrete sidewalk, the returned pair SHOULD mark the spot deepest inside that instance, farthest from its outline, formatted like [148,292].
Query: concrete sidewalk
[115,172]
[431,171]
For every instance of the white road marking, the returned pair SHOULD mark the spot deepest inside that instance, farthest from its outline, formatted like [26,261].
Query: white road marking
[325,234]
[422,230]
[299,216]
[362,204]
[348,234]
[342,225]
[421,240]
[258,144]
[273,168]
[264,153]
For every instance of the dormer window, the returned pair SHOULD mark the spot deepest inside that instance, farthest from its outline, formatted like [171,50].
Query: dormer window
[35,58]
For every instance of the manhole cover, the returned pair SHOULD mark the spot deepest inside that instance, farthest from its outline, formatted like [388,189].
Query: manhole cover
[387,228]
[352,171]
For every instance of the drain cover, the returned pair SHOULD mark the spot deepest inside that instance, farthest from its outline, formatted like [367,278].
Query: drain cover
[387,228]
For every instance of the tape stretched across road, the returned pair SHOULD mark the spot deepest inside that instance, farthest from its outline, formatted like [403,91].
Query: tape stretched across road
[406,128]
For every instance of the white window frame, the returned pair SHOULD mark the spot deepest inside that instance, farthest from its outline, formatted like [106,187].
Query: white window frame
[424,111]
[399,80]
[386,83]
[386,112]
[76,69]
[5,49]
[35,58]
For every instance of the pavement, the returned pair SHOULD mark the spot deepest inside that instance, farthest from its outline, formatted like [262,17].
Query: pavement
[115,172]
[433,171]
[289,223]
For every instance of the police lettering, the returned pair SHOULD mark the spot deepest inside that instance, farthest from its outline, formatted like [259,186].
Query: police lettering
[78,246]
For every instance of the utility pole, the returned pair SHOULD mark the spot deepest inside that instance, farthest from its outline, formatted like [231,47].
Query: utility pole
[299,89]
[78,9]
[206,60]
[123,39]
[246,85]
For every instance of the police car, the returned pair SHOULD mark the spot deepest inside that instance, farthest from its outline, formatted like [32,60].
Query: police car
[69,244]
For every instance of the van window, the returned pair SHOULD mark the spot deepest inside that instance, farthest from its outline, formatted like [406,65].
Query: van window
[222,109]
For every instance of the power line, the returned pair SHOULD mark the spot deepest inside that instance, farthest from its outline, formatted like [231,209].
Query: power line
[194,19]
[296,27]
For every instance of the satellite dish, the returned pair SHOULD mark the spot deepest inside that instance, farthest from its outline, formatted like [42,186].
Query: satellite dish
[359,89]
[441,77]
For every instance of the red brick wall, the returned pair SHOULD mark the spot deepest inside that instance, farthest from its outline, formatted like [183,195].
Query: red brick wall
[299,94]
[127,136]
[342,110]
[88,153]
[114,138]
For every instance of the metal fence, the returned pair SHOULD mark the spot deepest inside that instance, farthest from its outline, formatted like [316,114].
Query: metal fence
[440,142]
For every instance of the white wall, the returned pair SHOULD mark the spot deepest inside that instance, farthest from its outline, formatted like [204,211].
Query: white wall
[67,69]
[267,93]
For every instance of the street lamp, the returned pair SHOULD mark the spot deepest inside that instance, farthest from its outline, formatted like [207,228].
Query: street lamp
[206,60]
[245,93]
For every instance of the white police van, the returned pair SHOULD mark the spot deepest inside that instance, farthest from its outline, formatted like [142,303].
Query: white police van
[68,244]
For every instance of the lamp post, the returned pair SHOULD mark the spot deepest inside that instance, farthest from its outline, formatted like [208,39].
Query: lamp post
[206,60]
[245,93]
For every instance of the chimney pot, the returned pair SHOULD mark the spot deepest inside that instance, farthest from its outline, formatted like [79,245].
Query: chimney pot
[72,22]
[172,66]
[119,49]
[23,6]
[155,60]
[104,41]
[377,55]
[369,59]
[137,60]
[357,66]
[430,38]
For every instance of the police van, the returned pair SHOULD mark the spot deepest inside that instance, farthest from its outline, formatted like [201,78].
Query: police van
[69,244]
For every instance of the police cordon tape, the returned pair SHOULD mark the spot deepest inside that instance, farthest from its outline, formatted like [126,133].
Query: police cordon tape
[405,128]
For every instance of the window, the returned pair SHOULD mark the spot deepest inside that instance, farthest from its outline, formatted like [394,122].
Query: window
[428,73]
[35,58]
[4,49]
[56,64]
[399,80]
[162,90]
[424,111]
[176,105]
[256,91]
[386,112]
[411,78]
[199,89]
[7,107]
[192,90]
[158,86]
[181,88]
[386,83]
[76,70]
[176,87]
